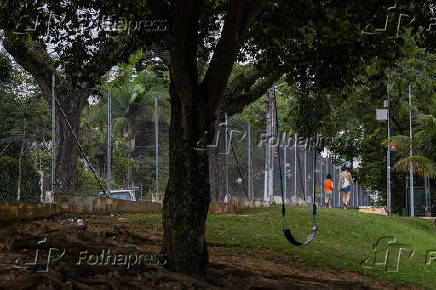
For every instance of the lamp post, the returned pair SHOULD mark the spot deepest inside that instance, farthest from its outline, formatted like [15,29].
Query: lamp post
[383,115]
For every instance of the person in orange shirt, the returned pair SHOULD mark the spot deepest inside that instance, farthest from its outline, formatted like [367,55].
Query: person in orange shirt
[328,190]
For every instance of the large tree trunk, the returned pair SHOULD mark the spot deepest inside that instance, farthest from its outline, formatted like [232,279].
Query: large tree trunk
[193,114]
[187,196]
[72,102]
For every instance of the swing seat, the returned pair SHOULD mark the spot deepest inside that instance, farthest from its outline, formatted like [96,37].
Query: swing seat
[291,239]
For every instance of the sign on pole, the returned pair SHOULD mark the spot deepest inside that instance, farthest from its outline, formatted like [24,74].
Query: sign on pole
[382,115]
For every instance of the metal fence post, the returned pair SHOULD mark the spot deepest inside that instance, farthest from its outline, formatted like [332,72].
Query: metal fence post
[321,191]
[156,121]
[335,186]
[358,195]
[295,167]
[313,176]
[284,169]
[338,186]
[53,134]
[305,173]
[109,147]
[427,195]
[249,160]
[269,169]
[226,158]
[355,196]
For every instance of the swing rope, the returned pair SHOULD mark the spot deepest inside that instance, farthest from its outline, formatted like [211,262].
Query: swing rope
[238,165]
[286,231]
[80,147]
[314,207]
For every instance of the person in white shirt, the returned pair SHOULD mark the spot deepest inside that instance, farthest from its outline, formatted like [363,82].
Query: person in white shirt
[345,185]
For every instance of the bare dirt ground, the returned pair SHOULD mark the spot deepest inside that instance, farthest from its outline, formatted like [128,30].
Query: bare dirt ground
[230,267]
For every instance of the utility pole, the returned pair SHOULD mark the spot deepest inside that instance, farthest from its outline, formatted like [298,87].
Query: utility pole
[53,134]
[268,187]
[109,146]
[388,156]
[412,203]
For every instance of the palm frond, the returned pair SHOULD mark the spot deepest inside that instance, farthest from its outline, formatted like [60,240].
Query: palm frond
[422,166]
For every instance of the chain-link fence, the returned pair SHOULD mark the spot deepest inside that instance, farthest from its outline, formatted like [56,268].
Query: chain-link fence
[246,163]
[20,180]
[139,151]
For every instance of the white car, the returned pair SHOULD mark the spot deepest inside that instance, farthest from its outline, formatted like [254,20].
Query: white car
[124,194]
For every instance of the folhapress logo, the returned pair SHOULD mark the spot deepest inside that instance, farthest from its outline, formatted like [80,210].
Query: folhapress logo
[387,254]
[53,255]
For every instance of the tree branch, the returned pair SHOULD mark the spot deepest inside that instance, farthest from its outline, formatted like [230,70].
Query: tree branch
[234,104]
[32,57]
[243,81]
[241,14]
[113,52]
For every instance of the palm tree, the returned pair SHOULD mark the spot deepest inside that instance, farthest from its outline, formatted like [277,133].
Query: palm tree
[129,106]
[133,101]
[423,145]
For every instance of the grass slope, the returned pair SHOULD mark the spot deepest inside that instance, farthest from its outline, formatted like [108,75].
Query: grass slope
[344,239]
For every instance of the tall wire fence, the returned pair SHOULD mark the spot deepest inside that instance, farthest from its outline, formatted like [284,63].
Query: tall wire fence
[244,162]
[239,166]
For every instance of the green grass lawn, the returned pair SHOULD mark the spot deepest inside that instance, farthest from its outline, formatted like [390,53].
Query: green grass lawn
[344,239]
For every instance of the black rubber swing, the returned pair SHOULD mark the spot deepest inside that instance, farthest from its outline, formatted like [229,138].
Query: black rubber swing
[286,231]
[292,240]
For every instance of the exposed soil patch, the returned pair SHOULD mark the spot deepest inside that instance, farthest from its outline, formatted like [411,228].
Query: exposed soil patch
[82,257]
